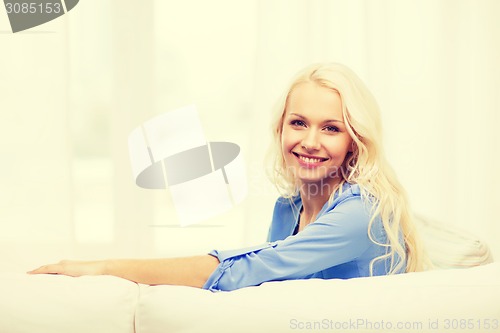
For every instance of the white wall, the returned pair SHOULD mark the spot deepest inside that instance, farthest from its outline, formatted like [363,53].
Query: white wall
[35,192]
[72,90]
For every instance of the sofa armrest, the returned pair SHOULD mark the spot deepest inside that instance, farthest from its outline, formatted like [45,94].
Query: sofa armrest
[62,304]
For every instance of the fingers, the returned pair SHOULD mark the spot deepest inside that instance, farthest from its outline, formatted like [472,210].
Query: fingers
[72,268]
[49,269]
[46,269]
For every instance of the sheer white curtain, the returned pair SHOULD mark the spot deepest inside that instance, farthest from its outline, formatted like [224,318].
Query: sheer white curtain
[73,91]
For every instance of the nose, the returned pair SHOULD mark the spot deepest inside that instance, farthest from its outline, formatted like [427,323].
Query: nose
[310,142]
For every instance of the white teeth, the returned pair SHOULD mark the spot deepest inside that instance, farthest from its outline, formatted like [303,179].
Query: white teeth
[310,160]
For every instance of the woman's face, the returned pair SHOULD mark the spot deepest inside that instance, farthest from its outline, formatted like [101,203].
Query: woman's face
[314,139]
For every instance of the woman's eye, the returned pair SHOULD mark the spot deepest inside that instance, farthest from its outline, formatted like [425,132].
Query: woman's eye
[297,123]
[331,129]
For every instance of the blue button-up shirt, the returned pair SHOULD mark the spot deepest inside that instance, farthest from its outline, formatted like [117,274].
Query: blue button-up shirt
[335,245]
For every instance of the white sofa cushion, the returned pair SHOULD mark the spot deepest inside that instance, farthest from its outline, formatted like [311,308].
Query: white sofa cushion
[463,300]
[62,304]
[452,247]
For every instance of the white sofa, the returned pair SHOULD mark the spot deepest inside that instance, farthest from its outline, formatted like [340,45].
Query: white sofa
[462,300]
[450,298]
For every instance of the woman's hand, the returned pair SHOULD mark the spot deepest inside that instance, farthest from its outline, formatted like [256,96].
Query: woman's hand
[73,268]
[186,271]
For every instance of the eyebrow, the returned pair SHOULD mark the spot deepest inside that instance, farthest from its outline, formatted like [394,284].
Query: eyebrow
[326,121]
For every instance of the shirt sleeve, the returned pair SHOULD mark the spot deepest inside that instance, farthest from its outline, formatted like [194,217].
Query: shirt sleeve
[337,237]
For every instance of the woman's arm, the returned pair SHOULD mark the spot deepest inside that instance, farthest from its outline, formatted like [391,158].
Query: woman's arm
[187,271]
[337,237]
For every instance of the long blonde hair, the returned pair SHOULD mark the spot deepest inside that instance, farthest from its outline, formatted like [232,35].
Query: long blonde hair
[365,166]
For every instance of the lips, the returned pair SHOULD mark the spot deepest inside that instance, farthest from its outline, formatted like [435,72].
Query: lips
[310,160]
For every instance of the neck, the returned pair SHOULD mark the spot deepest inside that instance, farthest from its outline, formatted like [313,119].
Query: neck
[314,196]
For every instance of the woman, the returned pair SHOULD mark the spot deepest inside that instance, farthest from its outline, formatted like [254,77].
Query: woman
[342,213]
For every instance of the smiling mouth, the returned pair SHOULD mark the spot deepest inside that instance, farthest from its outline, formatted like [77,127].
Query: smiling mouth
[310,160]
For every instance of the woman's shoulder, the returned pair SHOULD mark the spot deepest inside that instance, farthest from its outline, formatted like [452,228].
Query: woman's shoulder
[347,191]
[287,206]
[350,190]
[351,201]
[288,202]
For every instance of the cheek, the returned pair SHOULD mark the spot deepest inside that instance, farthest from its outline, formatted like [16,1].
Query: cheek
[341,147]
[346,145]
[347,148]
